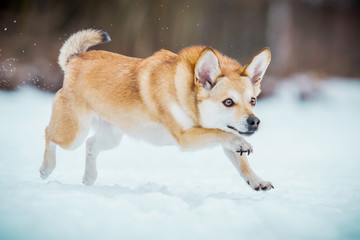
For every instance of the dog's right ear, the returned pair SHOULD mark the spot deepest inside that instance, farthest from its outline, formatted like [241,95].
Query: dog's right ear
[207,69]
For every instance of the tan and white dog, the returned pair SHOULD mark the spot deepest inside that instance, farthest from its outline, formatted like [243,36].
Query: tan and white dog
[196,98]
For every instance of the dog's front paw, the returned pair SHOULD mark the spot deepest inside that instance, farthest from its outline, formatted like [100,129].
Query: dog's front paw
[239,145]
[258,184]
[246,148]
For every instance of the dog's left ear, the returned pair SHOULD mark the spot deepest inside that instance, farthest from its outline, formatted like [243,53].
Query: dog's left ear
[207,69]
[255,70]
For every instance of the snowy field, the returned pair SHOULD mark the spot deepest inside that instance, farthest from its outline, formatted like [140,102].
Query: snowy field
[309,150]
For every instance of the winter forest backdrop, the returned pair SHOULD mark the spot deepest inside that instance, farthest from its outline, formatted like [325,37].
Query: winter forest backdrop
[320,36]
[307,145]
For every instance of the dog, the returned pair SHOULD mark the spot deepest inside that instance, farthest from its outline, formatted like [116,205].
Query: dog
[193,99]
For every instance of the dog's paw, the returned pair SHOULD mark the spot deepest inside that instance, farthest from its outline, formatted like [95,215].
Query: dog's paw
[245,148]
[239,145]
[259,185]
[89,178]
[88,181]
[46,170]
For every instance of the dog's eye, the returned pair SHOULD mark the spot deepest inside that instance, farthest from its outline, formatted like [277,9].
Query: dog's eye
[253,101]
[228,102]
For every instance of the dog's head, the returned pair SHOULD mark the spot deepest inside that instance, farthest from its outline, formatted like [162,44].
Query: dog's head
[227,91]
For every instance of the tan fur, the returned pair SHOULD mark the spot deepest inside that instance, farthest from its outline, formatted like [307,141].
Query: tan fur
[132,93]
[78,43]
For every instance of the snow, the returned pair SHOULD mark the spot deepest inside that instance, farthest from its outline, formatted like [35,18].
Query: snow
[308,149]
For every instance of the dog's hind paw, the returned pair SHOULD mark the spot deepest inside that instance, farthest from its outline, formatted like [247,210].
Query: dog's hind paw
[89,179]
[45,171]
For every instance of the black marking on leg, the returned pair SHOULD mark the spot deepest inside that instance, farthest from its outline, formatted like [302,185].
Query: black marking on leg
[257,188]
[243,151]
[264,188]
[248,183]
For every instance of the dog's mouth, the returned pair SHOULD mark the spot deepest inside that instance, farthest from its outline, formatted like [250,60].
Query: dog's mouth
[248,133]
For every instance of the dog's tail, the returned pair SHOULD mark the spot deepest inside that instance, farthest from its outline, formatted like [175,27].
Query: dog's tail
[79,42]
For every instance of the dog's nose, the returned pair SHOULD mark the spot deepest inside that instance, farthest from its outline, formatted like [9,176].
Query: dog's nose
[253,123]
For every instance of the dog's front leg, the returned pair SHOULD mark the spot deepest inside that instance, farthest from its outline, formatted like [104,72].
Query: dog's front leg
[198,137]
[241,164]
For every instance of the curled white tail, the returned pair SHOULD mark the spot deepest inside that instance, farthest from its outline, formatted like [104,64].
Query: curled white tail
[79,42]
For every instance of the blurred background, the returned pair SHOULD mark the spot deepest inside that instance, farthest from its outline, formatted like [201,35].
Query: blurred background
[320,37]
[306,146]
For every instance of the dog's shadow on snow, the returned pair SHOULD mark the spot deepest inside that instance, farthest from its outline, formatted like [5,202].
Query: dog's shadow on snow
[193,198]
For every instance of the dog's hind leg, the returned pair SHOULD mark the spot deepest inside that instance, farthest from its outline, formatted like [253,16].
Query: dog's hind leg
[68,127]
[241,164]
[49,162]
[106,137]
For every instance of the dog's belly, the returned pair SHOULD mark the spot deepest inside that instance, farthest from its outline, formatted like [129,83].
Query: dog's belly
[148,131]
[153,133]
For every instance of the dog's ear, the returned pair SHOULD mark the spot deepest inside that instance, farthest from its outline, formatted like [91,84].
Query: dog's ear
[255,70]
[207,69]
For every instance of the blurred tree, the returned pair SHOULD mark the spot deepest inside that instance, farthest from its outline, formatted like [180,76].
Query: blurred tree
[304,35]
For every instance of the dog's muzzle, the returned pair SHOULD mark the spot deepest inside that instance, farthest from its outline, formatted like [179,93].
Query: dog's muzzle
[253,125]
[248,133]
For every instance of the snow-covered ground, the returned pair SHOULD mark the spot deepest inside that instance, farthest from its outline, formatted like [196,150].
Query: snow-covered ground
[309,150]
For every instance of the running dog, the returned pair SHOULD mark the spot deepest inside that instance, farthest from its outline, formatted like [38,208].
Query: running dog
[193,99]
